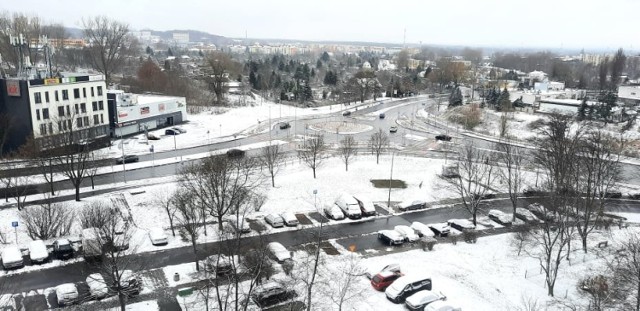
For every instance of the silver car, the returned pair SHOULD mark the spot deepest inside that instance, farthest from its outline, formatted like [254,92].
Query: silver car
[274,220]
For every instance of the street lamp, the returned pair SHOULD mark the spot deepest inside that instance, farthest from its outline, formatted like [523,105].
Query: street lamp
[315,196]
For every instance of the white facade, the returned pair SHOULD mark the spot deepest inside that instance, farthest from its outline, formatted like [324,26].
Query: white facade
[61,105]
[181,37]
[629,94]
[136,113]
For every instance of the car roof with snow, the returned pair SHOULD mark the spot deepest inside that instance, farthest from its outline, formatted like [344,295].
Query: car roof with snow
[439,226]
[462,223]
[386,273]
[423,296]
[11,253]
[66,288]
[391,233]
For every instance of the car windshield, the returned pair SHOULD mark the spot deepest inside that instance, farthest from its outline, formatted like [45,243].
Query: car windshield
[377,279]
[65,247]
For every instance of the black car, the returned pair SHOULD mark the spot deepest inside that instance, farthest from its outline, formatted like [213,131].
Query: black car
[127,159]
[284,126]
[172,132]
[443,137]
[62,249]
[613,195]
[382,116]
[235,153]
[346,113]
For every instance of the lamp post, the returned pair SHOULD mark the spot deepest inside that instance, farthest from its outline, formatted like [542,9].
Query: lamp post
[315,197]
[390,178]
[124,168]
[220,129]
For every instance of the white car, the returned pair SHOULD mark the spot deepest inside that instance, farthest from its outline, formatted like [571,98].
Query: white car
[97,286]
[290,219]
[278,251]
[441,229]
[38,251]
[239,224]
[67,294]
[12,257]
[461,224]
[274,220]
[422,298]
[334,212]
[220,264]
[158,236]
[407,233]
[421,229]
[391,237]
[441,306]
[500,217]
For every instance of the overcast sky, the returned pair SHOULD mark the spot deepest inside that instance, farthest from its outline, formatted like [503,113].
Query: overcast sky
[516,23]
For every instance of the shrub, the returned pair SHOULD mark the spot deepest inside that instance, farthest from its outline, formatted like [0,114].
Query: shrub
[454,239]
[470,236]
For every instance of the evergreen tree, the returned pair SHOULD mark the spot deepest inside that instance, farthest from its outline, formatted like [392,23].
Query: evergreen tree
[252,79]
[318,64]
[325,57]
[455,98]
[149,50]
[582,110]
[313,72]
[170,52]
[504,103]
[200,53]
[427,71]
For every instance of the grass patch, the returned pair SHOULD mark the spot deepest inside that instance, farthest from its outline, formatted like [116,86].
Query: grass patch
[384,183]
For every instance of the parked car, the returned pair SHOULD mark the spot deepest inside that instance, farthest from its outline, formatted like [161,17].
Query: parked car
[271,293]
[12,257]
[279,252]
[152,137]
[239,224]
[526,215]
[500,217]
[407,233]
[393,267]
[290,219]
[461,224]
[284,125]
[541,212]
[382,116]
[383,279]
[158,236]
[613,195]
[366,207]
[393,129]
[440,229]
[421,229]
[97,286]
[422,298]
[38,252]
[219,264]
[332,211]
[413,205]
[390,237]
[406,286]
[67,294]
[346,113]
[443,137]
[634,196]
[172,132]
[179,129]
[349,205]
[235,153]
[130,283]
[127,159]
[486,196]
[62,249]
[441,306]
[274,220]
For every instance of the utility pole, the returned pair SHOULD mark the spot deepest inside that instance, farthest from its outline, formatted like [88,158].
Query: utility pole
[390,178]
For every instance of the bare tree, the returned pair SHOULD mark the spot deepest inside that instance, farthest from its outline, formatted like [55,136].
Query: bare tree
[342,287]
[378,143]
[311,154]
[16,24]
[219,66]
[348,150]
[511,174]
[626,272]
[189,219]
[164,199]
[270,158]
[42,159]
[19,190]
[47,220]
[221,185]
[597,290]
[475,178]
[109,44]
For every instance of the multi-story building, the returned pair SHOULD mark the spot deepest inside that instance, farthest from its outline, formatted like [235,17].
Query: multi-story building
[70,108]
[136,113]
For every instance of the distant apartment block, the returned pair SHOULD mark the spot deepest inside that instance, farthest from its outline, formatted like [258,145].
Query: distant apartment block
[181,37]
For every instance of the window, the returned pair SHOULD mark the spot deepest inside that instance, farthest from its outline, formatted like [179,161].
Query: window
[37,97]
[94,105]
[77,111]
[100,91]
[60,126]
[92,94]
[56,95]
[45,113]
[61,111]
[96,120]
[50,128]
[101,105]
[79,122]
[43,129]
[65,94]
[84,92]
[83,108]
[101,119]
[76,93]
[38,114]
[64,125]
[68,112]
[69,124]
[46,97]
[86,121]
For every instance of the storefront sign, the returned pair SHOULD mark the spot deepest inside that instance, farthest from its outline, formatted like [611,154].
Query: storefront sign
[144,110]
[122,114]
[161,107]
[51,81]
[13,88]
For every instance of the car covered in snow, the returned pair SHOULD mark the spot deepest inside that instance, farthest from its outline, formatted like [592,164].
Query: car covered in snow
[393,129]
[407,233]
[158,236]
[440,229]
[383,279]
[391,237]
[290,219]
[98,288]
[38,252]
[366,207]
[421,229]
[422,298]
[62,249]
[67,294]
[500,217]
[274,220]
[441,305]
[12,257]
[279,252]
[271,293]
[406,286]
[461,224]
[130,284]
[239,224]
[541,212]
[349,206]
[332,211]
[526,215]
[219,264]
[393,267]
[413,205]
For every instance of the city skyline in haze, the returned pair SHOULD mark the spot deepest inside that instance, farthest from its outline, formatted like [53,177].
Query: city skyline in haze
[570,24]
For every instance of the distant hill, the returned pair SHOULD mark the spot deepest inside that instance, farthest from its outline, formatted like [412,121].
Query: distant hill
[194,35]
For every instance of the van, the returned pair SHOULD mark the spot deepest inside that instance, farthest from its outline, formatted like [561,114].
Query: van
[406,286]
[12,257]
[366,207]
[349,206]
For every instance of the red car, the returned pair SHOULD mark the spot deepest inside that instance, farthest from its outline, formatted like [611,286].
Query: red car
[383,279]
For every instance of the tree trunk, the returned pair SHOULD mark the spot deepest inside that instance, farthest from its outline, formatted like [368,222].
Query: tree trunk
[377,157]
[583,237]
[550,287]
[195,252]
[220,228]
[173,231]
[346,166]
[93,187]
[77,186]
[474,218]
[314,173]
[273,180]
[123,301]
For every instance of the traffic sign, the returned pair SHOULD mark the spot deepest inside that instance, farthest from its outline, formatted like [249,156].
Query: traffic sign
[14,224]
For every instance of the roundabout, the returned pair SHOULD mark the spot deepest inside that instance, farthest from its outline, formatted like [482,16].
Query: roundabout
[341,127]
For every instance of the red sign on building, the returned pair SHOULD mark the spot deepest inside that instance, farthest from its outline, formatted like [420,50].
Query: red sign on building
[13,88]
[144,110]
